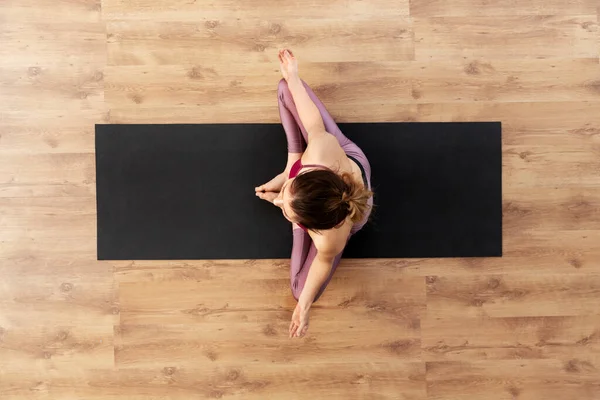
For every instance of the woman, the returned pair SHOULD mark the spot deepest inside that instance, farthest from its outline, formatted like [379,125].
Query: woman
[324,191]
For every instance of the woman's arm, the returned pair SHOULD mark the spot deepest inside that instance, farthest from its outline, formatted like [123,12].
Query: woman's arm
[328,247]
[317,275]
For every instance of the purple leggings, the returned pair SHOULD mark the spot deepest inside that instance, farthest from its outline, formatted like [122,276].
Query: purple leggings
[303,249]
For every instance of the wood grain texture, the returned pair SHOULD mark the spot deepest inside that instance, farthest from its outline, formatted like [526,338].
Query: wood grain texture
[506,80]
[488,36]
[51,131]
[522,327]
[512,379]
[52,11]
[165,43]
[52,44]
[182,10]
[503,296]
[449,8]
[468,339]
[41,88]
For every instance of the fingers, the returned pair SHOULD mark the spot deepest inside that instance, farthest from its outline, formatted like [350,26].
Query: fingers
[293,330]
[303,332]
[261,188]
[268,187]
[263,196]
[301,328]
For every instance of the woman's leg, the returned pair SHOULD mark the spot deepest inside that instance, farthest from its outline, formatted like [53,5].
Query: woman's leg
[295,140]
[286,102]
[301,265]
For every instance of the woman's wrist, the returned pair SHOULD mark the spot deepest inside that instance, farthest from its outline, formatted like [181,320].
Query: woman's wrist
[305,303]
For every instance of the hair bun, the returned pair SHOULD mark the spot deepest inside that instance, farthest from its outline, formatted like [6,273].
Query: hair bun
[355,197]
[345,197]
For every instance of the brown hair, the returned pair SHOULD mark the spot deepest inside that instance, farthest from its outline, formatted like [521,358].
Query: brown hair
[322,199]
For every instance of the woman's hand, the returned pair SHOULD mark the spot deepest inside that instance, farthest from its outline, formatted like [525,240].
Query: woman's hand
[274,185]
[299,324]
[288,65]
[268,196]
[270,190]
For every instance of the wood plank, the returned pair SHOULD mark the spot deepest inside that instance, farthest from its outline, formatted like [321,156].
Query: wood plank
[525,295]
[181,10]
[528,165]
[35,88]
[51,11]
[48,248]
[71,265]
[95,291]
[214,83]
[167,43]
[512,379]
[50,131]
[551,209]
[58,310]
[377,381]
[57,347]
[266,341]
[556,370]
[472,339]
[352,83]
[571,244]
[45,44]
[522,37]
[44,169]
[47,217]
[455,8]
[505,80]
[13,189]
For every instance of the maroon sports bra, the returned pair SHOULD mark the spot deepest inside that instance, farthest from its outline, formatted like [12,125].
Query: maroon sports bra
[297,166]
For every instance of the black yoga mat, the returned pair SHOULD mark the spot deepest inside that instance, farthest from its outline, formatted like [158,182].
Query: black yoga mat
[187,191]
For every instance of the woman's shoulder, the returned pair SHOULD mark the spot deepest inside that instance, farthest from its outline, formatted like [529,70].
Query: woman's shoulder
[332,240]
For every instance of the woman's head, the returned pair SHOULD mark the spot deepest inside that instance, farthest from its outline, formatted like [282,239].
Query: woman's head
[321,199]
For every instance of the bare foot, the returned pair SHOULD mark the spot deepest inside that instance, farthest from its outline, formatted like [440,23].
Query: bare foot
[274,185]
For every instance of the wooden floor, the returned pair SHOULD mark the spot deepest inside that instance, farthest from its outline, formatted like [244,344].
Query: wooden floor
[526,326]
